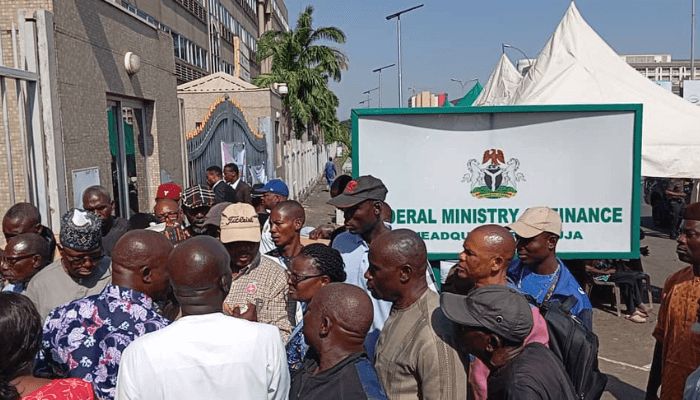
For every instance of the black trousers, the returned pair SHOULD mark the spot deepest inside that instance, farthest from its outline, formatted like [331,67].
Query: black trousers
[677,208]
[630,283]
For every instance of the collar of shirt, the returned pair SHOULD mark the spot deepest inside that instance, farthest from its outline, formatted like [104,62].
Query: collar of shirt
[235,184]
[219,181]
[250,267]
[112,293]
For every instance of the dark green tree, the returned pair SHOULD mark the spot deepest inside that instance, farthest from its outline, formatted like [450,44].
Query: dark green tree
[306,66]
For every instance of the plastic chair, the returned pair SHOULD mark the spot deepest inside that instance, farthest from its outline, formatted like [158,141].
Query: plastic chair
[616,291]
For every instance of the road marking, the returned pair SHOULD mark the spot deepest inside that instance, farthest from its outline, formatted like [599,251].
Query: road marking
[645,368]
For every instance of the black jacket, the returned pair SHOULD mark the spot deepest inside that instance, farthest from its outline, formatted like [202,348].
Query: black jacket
[224,192]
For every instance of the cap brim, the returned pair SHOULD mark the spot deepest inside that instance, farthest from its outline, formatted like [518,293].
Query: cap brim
[454,308]
[524,230]
[249,234]
[346,201]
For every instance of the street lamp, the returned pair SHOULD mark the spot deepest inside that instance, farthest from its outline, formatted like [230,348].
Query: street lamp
[367,92]
[463,83]
[397,15]
[364,102]
[692,40]
[380,81]
[505,46]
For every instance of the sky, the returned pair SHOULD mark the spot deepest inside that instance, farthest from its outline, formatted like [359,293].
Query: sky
[461,39]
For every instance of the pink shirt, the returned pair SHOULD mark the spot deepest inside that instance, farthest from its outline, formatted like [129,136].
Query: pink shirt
[479,372]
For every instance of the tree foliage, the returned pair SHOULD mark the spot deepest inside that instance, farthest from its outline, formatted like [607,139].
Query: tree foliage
[306,67]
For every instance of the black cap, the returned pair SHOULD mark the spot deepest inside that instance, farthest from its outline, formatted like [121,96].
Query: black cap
[496,308]
[358,190]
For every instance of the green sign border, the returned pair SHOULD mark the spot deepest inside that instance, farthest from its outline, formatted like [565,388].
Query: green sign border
[637,109]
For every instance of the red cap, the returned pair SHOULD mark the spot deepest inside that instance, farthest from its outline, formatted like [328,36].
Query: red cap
[169,190]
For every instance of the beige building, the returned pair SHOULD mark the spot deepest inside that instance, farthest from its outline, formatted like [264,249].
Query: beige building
[98,85]
[254,116]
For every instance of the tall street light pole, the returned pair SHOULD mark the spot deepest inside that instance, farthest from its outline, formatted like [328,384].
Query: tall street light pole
[397,15]
[692,40]
[379,70]
[367,92]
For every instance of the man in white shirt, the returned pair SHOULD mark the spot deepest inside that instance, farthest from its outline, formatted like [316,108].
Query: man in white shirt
[205,354]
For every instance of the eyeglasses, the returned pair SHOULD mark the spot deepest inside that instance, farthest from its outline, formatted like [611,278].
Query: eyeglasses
[168,214]
[11,261]
[80,260]
[296,278]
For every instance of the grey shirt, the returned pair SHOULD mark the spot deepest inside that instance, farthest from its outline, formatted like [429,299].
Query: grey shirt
[52,286]
[119,227]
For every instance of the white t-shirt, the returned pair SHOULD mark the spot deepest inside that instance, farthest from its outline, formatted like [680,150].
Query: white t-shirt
[266,243]
[209,356]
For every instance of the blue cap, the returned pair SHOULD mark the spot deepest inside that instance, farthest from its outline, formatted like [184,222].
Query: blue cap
[276,186]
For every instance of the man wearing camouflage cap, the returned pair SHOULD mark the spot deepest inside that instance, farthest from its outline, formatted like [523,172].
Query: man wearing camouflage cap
[83,269]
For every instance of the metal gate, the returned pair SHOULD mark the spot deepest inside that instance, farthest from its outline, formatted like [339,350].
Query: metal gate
[224,124]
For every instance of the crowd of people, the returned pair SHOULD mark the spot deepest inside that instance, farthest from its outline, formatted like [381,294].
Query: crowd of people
[217,294]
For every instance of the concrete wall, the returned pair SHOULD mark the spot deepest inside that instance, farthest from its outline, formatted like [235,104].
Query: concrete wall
[91,40]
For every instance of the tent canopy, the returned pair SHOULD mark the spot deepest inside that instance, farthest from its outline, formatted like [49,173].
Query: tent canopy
[470,97]
[502,83]
[576,66]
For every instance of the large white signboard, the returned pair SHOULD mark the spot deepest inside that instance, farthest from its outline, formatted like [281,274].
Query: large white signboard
[450,170]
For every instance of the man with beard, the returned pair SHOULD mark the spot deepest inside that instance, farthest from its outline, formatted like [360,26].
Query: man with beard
[97,199]
[677,349]
[83,269]
[196,203]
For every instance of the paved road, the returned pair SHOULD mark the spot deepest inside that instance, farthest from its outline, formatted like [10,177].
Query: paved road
[625,347]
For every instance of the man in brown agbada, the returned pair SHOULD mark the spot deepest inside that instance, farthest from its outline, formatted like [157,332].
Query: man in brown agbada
[416,356]
[677,349]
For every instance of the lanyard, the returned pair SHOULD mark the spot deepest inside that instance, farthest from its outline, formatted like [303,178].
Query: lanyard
[552,284]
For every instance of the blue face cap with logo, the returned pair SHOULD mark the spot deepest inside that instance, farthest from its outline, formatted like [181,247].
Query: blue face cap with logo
[275,186]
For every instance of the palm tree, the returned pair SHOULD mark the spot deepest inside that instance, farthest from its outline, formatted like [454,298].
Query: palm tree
[306,67]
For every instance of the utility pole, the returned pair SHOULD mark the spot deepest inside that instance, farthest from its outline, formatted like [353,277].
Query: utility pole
[397,15]
[692,40]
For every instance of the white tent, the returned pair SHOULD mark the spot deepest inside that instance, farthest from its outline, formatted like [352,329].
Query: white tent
[576,66]
[501,84]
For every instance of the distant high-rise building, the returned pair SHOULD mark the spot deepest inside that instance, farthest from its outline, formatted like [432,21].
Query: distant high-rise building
[662,68]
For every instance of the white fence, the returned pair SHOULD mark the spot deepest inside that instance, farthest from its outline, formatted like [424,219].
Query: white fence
[303,165]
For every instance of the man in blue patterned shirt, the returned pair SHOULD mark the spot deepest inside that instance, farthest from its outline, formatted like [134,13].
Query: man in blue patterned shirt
[85,338]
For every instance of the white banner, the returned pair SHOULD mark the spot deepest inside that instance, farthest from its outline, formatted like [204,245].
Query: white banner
[448,172]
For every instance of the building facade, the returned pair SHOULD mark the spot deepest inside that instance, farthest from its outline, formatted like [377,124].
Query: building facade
[662,68]
[213,35]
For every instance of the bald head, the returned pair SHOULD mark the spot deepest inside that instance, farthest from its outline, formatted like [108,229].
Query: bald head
[200,275]
[291,209]
[397,263]
[139,260]
[348,305]
[496,239]
[486,255]
[29,243]
[21,218]
[337,320]
[25,255]
[402,247]
[96,191]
